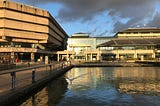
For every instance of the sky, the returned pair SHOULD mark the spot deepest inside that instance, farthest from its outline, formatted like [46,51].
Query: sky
[101,17]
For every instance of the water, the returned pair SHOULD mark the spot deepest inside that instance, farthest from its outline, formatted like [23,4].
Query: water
[102,86]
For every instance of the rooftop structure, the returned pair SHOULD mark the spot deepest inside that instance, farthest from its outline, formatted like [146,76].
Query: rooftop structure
[80,35]
[139,32]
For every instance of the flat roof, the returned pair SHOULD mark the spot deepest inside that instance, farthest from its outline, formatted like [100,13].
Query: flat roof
[80,35]
[140,30]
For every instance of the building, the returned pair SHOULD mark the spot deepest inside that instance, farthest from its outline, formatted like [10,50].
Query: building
[28,33]
[82,47]
[133,44]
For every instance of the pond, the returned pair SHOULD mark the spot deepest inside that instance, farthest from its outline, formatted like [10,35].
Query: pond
[101,86]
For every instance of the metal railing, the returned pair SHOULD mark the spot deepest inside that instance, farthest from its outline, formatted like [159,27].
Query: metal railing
[14,78]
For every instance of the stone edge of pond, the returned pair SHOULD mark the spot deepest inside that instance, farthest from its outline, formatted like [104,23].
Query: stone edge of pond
[15,95]
[119,64]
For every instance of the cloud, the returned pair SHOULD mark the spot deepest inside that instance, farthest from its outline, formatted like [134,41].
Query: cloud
[86,10]
[155,22]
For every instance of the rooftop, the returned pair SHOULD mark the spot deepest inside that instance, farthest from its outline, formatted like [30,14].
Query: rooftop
[80,35]
[130,42]
[140,30]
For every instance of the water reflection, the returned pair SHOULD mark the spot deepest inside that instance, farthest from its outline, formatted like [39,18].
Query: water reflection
[50,95]
[138,80]
[102,86]
[127,80]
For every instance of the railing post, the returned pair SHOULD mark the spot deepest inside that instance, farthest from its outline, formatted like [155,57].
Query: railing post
[62,65]
[33,75]
[13,75]
[50,68]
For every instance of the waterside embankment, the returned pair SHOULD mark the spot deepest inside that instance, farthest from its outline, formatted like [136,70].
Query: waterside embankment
[118,64]
[13,95]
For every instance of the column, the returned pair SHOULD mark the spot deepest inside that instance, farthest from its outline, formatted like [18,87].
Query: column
[12,57]
[153,55]
[135,55]
[86,57]
[91,57]
[142,57]
[57,57]
[32,57]
[73,57]
[97,56]
[117,55]
[41,58]
[46,59]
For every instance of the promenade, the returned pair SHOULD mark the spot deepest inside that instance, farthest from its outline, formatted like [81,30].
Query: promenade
[20,82]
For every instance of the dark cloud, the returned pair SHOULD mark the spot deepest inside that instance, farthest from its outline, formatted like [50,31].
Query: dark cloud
[85,10]
[155,22]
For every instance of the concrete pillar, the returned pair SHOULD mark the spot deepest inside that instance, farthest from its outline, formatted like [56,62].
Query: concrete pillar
[153,55]
[32,57]
[91,57]
[86,57]
[73,56]
[46,59]
[98,56]
[117,55]
[57,57]
[72,48]
[86,48]
[12,57]
[142,57]
[135,55]
[41,58]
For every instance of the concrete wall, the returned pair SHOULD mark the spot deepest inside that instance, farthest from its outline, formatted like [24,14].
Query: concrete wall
[27,22]
[146,35]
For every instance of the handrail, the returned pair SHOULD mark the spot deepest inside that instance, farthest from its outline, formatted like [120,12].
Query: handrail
[33,70]
[21,69]
[26,68]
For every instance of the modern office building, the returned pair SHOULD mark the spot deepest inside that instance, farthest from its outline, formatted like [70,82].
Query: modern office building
[133,44]
[129,45]
[82,47]
[28,33]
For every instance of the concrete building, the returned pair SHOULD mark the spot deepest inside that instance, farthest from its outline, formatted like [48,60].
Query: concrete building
[133,44]
[28,33]
[82,47]
[128,45]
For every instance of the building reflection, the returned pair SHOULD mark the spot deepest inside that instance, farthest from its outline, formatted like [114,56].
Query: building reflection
[126,79]
[138,80]
[130,80]
[50,95]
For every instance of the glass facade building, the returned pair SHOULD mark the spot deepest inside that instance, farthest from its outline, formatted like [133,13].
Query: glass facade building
[84,46]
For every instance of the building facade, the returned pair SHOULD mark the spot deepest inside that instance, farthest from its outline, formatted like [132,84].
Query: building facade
[133,44]
[28,33]
[82,47]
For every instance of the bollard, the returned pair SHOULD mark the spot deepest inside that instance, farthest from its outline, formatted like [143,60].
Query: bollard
[13,75]
[33,76]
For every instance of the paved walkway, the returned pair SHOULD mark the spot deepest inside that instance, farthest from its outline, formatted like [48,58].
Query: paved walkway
[24,77]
